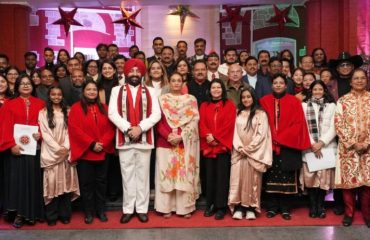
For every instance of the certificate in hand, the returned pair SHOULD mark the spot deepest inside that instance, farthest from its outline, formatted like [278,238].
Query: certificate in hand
[23,137]
[328,160]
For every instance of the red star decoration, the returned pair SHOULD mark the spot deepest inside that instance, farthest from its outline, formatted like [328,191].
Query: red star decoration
[183,12]
[233,16]
[128,19]
[67,19]
[281,17]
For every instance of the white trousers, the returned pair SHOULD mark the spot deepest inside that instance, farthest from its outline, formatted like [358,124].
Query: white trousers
[135,165]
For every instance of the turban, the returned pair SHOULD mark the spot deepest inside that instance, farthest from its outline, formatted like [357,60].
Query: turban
[134,63]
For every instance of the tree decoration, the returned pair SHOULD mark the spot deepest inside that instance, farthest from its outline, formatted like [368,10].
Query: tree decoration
[233,16]
[67,19]
[183,11]
[281,17]
[128,19]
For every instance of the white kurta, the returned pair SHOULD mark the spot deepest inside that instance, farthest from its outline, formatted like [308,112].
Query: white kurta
[135,157]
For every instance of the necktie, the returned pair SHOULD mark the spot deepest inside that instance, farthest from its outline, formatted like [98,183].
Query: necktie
[213,76]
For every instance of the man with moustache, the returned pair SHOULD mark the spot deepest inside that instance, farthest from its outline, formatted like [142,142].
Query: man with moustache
[200,49]
[213,62]
[263,61]
[199,85]
[252,76]
[66,84]
[168,60]
[30,61]
[47,80]
[49,59]
[134,110]
[113,51]
[4,63]
[230,57]
[182,49]
[157,47]
[102,51]
[119,61]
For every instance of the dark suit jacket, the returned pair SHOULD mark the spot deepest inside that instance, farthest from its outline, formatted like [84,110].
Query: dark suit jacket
[71,93]
[150,59]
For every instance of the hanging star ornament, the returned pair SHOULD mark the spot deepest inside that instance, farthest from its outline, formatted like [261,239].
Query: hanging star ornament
[183,11]
[232,16]
[128,19]
[67,19]
[281,17]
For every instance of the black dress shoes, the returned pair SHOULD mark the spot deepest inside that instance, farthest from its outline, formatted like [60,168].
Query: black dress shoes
[102,217]
[125,218]
[89,218]
[18,222]
[210,211]
[286,216]
[347,221]
[64,220]
[338,209]
[143,217]
[52,222]
[220,214]
[270,214]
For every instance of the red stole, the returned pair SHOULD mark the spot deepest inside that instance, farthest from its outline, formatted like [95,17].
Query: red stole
[288,127]
[134,114]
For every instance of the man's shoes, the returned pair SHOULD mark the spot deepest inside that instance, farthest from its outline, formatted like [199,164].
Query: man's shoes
[312,213]
[52,222]
[210,211]
[143,217]
[89,218]
[347,221]
[125,218]
[367,222]
[65,220]
[270,214]
[338,209]
[321,213]
[102,217]
[18,222]
[286,216]
[220,214]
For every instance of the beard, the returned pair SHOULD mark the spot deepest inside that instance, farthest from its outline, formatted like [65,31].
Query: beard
[134,80]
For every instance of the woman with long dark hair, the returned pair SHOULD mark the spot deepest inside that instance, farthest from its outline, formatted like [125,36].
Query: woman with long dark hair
[183,67]
[319,109]
[308,79]
[107,81]
[216,128]
[91,137]
[23,201]
[252,155]
[60,176]
[11,74]
[63,56]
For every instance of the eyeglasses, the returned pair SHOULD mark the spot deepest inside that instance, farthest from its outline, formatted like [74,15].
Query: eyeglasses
[92,66]
[25,84]
[345,64]
[13,74]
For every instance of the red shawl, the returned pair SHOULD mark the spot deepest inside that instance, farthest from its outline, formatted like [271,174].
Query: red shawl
[14,112]
[219,120]
[84,129]
[134,113]
[292,127]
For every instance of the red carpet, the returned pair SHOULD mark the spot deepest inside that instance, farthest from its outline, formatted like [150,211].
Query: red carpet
[299,218]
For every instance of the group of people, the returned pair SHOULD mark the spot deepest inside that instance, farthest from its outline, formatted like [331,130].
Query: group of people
[181,128]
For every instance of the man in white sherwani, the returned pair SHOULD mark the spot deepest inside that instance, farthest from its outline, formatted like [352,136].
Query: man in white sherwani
[134,110]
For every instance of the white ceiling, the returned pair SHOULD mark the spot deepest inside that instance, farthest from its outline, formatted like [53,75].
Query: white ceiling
[109,3]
